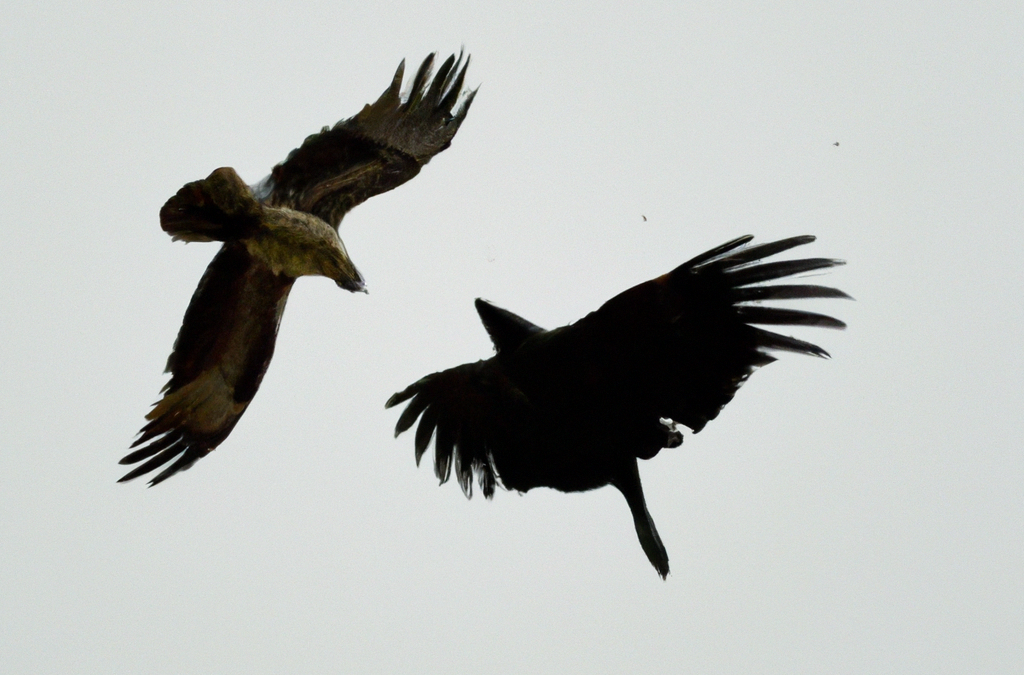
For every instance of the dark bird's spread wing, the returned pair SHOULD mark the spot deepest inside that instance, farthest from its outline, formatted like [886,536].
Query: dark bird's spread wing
[219,359]
[382,147]
[681,345]
[476,411]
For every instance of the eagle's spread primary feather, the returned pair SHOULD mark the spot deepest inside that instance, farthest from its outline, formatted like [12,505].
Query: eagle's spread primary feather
[274,232]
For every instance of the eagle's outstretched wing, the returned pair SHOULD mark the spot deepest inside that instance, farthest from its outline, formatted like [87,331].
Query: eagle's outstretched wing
[382,147]
[223,349]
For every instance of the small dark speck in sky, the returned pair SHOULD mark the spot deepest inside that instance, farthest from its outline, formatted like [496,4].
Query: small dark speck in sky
[836,144]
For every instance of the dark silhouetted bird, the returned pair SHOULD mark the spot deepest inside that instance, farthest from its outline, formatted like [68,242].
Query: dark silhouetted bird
[574,408]
[274,232]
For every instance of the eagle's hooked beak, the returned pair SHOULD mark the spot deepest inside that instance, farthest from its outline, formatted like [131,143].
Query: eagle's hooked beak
[354,285]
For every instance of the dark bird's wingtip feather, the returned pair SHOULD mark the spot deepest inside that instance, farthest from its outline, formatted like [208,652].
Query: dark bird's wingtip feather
[399,397]
[775,341]
[742,267]
[716,252]
[788,292]
[786,317]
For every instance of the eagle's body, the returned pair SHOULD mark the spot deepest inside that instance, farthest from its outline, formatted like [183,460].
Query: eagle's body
[574,408]
[284,227]
[296,244]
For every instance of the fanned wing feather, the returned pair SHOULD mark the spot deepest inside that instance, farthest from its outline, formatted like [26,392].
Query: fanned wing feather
[681,345]
[787,317]
[786,292]
[382,147]
[222,351]
[472,412]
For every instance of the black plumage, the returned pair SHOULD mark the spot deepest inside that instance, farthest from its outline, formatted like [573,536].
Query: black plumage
[574,408]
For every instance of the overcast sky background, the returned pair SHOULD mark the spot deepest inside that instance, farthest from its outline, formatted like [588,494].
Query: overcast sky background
[859,515]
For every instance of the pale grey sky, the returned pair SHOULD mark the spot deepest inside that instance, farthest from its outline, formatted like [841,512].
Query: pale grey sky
[859,515]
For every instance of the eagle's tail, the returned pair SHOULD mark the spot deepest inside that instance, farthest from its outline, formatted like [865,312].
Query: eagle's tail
[220,207]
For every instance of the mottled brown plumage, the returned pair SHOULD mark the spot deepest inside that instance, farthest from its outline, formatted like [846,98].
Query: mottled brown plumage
[280,229]
[574,408]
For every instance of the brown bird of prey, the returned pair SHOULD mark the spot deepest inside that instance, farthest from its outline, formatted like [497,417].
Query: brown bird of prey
[282,228]
[574,408]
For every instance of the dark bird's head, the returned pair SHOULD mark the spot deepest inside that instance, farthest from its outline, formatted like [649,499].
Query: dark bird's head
[507,330]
